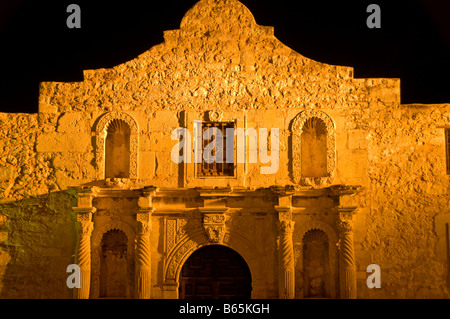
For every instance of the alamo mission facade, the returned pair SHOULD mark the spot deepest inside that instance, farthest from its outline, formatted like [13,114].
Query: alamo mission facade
[90,179]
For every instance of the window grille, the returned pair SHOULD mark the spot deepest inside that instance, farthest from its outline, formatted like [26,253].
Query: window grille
[221,166]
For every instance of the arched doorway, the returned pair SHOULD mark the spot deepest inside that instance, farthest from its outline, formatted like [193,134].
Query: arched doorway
[215,272]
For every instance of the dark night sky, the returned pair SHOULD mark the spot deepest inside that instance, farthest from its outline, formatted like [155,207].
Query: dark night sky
[413,43]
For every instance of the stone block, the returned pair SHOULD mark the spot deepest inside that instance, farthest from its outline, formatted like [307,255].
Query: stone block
[73,122]
[8,172]
[146,165]
[66,162]
[353,164]
[164,119]
[357,139]
[63,142]
[47,108]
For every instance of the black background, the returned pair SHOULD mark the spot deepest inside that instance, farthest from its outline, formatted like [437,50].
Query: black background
[413,43]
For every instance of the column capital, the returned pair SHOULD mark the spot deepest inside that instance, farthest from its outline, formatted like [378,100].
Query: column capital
[143,223]
[284,213]
[344,225]
[86,228]
[287,227]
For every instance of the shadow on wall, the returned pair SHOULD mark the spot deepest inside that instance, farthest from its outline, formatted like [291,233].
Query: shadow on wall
[37,243]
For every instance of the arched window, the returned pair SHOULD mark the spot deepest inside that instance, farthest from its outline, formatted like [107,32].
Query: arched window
[313,148]
[117,150]
[114,265]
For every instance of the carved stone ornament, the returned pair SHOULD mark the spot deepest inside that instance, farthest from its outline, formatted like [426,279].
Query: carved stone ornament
[214,218]
[284,214]
[215,116]
[86,228]
[297,130]
[84,217]
[143,223]
[345,225]
[214,225]
[118,182]
[215,233]
[287,226]
[101,132]
[143,228]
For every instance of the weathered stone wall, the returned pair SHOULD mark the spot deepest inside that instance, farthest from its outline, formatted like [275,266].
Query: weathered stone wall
[220,59]
[409,191]
[39,246]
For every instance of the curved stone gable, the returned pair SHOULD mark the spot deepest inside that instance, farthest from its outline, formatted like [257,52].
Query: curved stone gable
[218,54]
[217,15]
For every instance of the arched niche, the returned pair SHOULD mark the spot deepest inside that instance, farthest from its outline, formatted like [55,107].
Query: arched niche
[316,235]
[97,249]
[313,148]
[316,265]
[123,128]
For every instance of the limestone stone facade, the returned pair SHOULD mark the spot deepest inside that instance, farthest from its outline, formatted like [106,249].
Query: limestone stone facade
[90,179]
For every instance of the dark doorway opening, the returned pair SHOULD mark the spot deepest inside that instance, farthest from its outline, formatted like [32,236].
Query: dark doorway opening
[215,272]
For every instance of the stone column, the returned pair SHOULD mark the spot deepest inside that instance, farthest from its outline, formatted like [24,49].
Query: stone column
[286,261]
[347,264]
[143,273]
[286,264]
[84,211]
[83,255]
[143,257]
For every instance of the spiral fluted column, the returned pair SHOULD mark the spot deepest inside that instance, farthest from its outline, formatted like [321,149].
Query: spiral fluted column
[347,264]
[143,260]
[83,256]
[286,261]
[143,257]
[84,212]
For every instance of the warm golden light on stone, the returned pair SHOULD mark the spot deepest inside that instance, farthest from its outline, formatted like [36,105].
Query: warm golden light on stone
[361,178]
